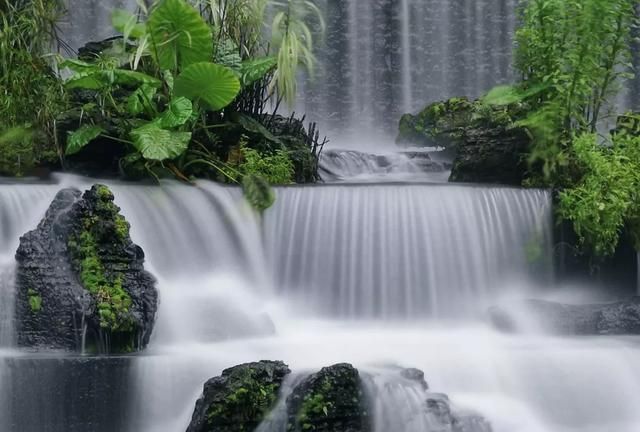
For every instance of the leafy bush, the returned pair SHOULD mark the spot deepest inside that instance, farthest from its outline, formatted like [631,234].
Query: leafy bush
[275,169]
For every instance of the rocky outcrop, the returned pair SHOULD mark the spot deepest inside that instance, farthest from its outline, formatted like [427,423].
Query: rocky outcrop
[81,283]
[620,318]
[239,399]
[330,400]
[489,147]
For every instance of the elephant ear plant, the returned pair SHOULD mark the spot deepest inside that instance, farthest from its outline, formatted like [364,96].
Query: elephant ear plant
[155,111]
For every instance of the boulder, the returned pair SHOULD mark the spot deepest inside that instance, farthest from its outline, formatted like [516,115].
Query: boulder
[619,318]
[331,400]
[239,399]
[81,283]
[488,146]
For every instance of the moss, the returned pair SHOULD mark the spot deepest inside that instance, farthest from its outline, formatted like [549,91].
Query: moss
[35,301]
[245,404]
[112,300]
[315,405]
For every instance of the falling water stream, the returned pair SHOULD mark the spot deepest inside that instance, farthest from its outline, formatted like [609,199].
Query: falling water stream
[376,275]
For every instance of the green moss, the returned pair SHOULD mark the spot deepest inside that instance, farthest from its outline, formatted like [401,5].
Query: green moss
[246,405]
[315,405]
[35,301]
[112,300]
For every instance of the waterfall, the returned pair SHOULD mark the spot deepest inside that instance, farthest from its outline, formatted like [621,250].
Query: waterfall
[409,251]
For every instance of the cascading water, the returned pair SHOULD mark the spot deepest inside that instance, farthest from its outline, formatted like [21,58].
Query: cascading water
[408,251]
[219,308]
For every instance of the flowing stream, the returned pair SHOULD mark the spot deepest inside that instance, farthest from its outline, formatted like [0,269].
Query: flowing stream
[377,275]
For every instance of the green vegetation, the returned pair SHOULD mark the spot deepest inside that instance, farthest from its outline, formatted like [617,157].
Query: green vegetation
[187,86]
[35,301]
[31,94]
[315,406]
[572,56]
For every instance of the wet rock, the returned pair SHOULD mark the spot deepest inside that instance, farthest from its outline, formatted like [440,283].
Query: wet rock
[489,147]
[239,399]
[81,283]
[618,318]
[331,400]
[413,374]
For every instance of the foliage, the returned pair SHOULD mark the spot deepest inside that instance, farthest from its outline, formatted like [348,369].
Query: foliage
[293,39]
[257,192]
[572,56]
[30,92]
[607,196]
[275,169]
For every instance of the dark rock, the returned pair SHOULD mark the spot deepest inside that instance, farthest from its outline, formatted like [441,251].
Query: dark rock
[489,147]
[331,400]
[80,280]
[443,419]
[619,318]
[239,399]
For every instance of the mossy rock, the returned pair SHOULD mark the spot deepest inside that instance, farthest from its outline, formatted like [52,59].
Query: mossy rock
[328,401]
[240,398]
[81,283]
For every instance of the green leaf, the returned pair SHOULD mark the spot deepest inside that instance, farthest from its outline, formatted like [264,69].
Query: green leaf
[507,95]
[89,80]
[78,139]
[159,144]
[252,125]
[177,113]
[99,79]
[78,65]
[140,100]
[257,192]
[214,85]
[253,70]
[179,35]
[227,54]
[127,23]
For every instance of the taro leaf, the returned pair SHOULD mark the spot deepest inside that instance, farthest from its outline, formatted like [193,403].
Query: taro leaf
[252,125]
[78,139]
[216,86]
[140,100]
[179,35]
[255,69]
[127,23]
[159,144]
[177,113]
[78,65]
[257,192]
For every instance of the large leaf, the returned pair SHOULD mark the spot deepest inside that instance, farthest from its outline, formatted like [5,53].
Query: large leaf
[159,144]
[177,113]
[254,69]
[78,139]
[227,54]
[179,35]
[214,85]
[252,125]
[141,99]
[127,23]
[257,192]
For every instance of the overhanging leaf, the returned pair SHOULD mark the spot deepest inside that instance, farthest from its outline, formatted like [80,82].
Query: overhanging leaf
[78,139]
[179,35]
[257,192]
[177,113]
[252,125]
[507,95]
[255,69]
[214,85]
[155,143]
[127,23]
[140,100]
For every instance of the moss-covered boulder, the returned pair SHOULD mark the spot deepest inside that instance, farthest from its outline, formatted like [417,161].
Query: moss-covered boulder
[240,398]
[489,147]
[331,400]
[81,282]
[440,124]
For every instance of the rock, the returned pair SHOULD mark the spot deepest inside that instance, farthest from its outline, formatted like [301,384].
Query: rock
[489,147]
[620,318]
[80,281]
[416,375]
[239,399]
[331,400]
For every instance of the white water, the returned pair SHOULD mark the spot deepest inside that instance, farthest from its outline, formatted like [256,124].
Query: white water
[216,293]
